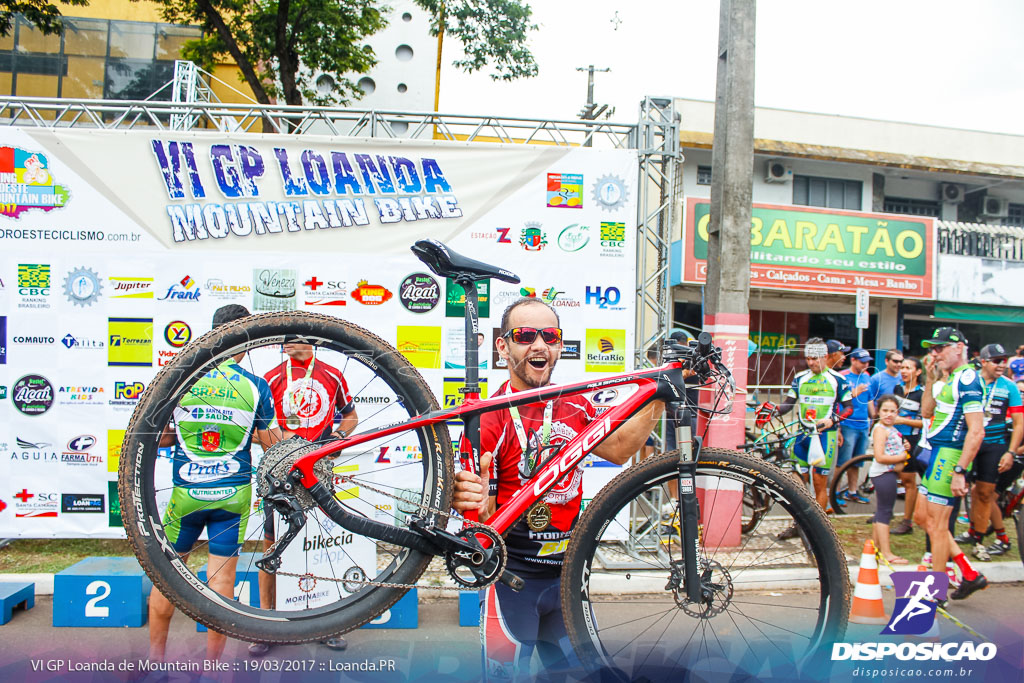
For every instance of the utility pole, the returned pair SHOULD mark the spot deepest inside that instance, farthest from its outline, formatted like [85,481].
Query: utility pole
[590,112]
[727,294]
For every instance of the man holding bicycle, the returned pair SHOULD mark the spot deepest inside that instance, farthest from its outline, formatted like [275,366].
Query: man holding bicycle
[823,399]
[513,442]
[956,431]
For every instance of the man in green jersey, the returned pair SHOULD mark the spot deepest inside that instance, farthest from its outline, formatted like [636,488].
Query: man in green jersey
[212,432]
[955,434]
[822,397]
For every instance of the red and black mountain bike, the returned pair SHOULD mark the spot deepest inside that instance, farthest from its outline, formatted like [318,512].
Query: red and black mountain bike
[363,516]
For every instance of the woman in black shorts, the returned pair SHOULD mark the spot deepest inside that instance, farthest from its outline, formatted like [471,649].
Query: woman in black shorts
[908,424]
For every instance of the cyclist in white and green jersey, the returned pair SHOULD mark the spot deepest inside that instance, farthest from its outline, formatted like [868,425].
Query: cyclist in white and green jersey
[822,397]
[212,434]
[955,434]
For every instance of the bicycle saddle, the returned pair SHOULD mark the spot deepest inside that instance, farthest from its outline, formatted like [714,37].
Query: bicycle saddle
[446,263]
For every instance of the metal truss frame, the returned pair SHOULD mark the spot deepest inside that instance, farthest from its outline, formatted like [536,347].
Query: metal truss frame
[655,137]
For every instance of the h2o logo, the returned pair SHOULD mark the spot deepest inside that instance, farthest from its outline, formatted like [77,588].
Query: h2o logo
[608,297]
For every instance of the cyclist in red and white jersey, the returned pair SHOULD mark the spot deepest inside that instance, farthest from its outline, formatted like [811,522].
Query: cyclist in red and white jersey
[513,624]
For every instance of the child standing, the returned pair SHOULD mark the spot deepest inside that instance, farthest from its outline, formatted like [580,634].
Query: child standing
[887,446]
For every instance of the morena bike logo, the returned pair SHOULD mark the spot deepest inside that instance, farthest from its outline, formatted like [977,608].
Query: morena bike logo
[918,596]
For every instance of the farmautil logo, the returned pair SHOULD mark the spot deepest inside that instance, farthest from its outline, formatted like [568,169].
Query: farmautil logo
[918,597]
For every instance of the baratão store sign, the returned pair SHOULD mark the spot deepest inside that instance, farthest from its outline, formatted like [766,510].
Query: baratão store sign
[811,249]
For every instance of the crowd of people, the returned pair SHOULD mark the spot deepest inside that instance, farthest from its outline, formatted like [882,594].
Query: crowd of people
[952,418]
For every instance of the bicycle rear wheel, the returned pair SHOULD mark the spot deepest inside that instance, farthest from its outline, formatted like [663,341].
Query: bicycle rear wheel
[323,587]
[774,601]
[839,482]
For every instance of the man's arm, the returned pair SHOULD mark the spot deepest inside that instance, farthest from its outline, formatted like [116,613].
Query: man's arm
[268,437]
[1006,461]
[931,376]
[625,441]
[348,422]
[975,435]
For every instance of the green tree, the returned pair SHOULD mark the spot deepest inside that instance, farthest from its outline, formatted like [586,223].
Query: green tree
[279,45]
[43,15]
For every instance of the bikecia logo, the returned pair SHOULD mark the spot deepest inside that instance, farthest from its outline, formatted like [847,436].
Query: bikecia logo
[82,287]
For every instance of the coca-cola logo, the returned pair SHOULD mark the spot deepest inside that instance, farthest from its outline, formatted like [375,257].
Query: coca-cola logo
[32,395]
[419,293]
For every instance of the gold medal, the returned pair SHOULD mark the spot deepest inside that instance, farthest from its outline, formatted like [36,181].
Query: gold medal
[292,421]
[538,517]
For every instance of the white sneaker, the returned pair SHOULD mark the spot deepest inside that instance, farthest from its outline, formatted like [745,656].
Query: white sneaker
[981,552]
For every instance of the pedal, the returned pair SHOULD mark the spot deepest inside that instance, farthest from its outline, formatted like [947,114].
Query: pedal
[512,581]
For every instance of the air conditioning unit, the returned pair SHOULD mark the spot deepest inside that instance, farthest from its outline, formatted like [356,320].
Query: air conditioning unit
[777,171]
[951,193]
[994,207]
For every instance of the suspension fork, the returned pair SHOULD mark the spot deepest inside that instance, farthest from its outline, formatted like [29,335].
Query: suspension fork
[689,507]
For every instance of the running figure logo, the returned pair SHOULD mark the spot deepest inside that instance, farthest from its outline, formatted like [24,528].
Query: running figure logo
[914,613]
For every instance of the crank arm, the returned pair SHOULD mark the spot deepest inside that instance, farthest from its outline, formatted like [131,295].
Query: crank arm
[473,553]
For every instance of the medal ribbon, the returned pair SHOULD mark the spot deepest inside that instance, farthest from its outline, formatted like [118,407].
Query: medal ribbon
[545,433]
[289,394]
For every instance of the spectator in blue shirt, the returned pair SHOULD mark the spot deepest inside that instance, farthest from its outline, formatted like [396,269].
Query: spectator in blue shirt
[886,381]
[856,428]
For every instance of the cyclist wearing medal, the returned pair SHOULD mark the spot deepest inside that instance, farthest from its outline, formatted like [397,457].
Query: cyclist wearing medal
[214,427]
[513,624]
[823,400]
[306,392]
[1004,423]
[956,431]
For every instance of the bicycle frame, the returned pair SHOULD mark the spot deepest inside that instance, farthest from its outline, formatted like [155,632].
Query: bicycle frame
[664,383]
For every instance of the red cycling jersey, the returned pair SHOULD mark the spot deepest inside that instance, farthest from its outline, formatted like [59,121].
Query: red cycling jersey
[536,554]
[310,412]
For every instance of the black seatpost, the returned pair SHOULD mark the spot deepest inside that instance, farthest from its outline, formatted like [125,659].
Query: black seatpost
[472,329]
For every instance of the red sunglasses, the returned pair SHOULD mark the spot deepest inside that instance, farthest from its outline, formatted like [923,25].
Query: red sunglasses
[528,335]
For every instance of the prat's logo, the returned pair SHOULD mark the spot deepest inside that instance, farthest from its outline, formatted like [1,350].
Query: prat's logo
[177,333]
[918,595]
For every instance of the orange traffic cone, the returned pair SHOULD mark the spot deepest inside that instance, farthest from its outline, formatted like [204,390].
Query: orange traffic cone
[867,593]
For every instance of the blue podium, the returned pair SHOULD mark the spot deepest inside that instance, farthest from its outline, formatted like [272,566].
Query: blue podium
[101,591]
[403,614]
[469,608]
[247,585]
[16,594]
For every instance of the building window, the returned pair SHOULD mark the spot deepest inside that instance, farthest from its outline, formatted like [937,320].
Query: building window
[1014,215]
[95,58]
[832,193]
[703,175]
[913,207]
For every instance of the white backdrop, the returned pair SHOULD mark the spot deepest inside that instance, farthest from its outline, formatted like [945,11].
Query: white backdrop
[116,247]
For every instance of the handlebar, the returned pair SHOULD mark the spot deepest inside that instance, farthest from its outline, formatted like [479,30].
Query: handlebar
[703,359]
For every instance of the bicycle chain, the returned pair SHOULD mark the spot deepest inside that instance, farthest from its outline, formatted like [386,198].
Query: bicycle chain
[387,584]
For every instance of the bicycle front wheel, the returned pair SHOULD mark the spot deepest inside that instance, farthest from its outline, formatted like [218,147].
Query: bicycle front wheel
[329,582]
[839,482]
[777,594]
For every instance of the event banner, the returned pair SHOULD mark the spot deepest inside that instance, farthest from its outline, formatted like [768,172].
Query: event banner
[811,249]
[117,247]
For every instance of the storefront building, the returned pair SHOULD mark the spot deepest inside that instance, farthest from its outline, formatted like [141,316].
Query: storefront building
[927,222]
